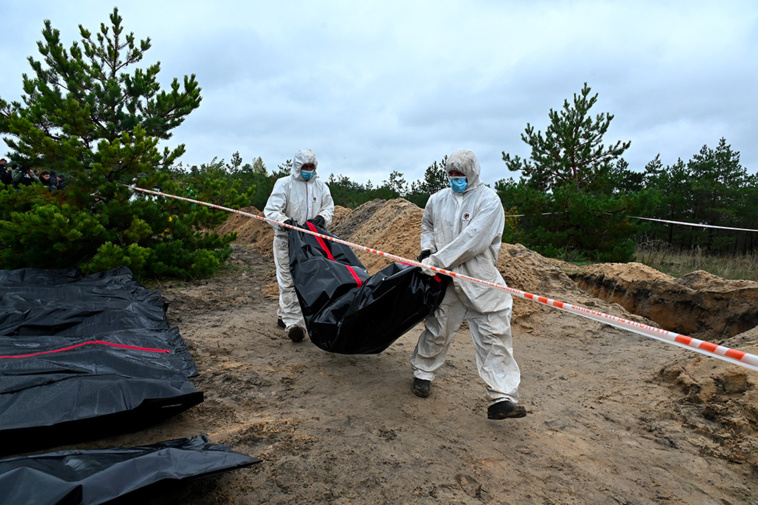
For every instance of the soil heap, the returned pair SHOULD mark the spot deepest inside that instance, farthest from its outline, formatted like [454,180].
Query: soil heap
[698,304]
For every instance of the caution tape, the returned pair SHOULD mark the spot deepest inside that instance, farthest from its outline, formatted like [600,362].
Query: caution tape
[541,214]
[707,348]
[697,225]
[683,223]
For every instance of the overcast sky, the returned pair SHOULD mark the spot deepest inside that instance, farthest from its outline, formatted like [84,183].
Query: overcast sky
[377,86]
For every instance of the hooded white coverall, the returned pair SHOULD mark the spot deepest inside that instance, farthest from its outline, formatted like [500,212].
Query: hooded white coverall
[301,200]
[464,233]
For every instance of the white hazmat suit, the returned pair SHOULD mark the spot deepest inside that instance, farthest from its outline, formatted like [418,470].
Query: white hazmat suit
[295,198]
[464,232]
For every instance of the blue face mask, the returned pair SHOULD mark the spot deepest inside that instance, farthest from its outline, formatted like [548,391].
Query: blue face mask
[307,174]
[458,184]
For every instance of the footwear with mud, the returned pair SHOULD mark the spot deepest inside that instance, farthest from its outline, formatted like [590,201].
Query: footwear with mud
[421,388]
[505,410]
[296,333]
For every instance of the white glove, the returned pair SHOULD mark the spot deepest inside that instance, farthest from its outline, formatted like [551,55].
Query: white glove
[427,261]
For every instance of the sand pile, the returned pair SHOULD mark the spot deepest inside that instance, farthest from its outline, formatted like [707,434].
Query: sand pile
[340,213]
[720,400]
[698,304]
[391,226]
[256,233]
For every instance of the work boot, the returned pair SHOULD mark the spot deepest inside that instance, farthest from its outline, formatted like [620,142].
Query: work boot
[421,388]
[505,409]
[280,323]
[295,333]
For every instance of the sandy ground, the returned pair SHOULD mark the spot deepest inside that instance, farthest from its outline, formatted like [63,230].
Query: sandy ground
[612,417]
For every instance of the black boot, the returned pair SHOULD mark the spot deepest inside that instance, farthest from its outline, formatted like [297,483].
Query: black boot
[296,333]
[421,388]
[505,409]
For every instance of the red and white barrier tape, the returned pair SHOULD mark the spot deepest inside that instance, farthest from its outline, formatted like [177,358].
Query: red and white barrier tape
[707,348]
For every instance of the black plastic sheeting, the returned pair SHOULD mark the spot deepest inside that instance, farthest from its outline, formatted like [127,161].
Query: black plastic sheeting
[85,356]
[101,475]
[346,310]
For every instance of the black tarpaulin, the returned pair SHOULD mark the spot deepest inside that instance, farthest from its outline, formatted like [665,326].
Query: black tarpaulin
[346,310]
[101,475]
[83,356]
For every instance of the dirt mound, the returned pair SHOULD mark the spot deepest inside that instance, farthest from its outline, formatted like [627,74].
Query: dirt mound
[628,272]
[700,279]
[259,234]
[698,304]
[526,270]
[256,233]
[720,401]
[340,214]
[391,226]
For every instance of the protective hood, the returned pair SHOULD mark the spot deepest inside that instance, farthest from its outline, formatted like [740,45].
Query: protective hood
[466,163]
[302,157]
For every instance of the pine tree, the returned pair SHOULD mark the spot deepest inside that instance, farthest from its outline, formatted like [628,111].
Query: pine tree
[395,184]
[83,113]
[712,188]
[571,151]
[719,183]
[575,190]
[435,179]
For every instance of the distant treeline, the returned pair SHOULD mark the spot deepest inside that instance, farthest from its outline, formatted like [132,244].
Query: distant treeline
[595,220]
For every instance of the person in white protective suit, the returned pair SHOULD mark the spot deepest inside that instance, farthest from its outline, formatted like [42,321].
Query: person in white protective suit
[295,199]
[461,231]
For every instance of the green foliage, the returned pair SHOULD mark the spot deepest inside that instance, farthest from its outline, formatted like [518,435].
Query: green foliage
[110,256]
[396,184]
[350,194]
[220,184]
[575,193]
[258,182]
[712,188]
[283,170]
[571,150]
[435,179]
[345,192]
[84,114]
[234,184]
[48,235]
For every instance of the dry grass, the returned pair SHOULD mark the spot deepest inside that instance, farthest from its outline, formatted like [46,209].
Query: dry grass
[679,263]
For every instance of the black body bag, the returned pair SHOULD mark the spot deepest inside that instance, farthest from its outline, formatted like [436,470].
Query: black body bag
[346,310]
[86,356]
[96,476]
